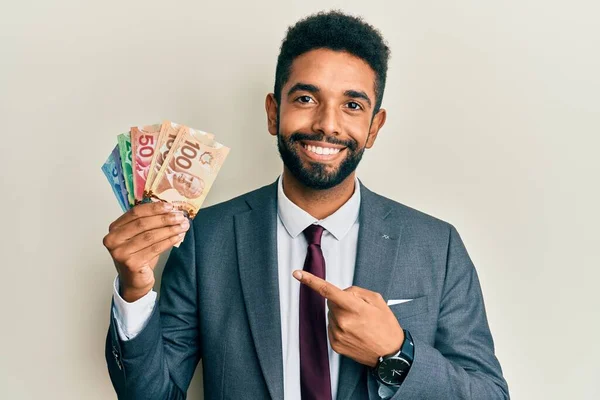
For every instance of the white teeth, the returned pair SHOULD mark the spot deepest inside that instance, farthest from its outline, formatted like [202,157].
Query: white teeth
[322,150]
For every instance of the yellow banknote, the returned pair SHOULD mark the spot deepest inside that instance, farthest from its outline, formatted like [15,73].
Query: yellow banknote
[188,170]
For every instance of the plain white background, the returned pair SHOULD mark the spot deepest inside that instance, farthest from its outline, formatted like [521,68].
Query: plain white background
[493,126]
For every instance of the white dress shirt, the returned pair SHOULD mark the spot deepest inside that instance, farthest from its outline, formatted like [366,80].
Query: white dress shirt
[338,243]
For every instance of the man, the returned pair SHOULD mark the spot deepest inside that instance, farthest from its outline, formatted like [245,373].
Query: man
[387,305]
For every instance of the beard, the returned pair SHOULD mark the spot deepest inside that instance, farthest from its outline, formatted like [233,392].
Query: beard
[317,175]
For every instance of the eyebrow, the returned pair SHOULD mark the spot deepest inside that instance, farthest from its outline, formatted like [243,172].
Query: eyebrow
[303,87]
[307,87]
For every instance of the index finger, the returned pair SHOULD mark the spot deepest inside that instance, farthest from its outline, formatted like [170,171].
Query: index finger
[141,210]
[328,290]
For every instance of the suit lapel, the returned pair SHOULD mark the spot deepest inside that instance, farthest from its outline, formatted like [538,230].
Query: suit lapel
[256,239]
[378,242]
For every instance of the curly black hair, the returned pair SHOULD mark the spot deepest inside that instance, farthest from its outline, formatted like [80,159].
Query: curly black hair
[339,32]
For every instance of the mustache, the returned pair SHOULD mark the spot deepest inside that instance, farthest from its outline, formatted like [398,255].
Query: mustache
[321,137]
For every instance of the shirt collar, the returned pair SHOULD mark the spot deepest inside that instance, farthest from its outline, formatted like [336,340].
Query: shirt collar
[296,220]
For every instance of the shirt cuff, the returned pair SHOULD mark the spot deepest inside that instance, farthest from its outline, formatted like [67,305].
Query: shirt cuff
[386,392]
[131,318]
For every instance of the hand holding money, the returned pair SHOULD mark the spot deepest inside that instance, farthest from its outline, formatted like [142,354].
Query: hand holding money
[161,175]
[164,162]
[137,238]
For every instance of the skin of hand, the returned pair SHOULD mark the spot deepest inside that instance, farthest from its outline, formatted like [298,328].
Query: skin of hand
[136,239]
[361,325]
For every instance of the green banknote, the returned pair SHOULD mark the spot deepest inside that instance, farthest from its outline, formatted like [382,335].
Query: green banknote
[124,142]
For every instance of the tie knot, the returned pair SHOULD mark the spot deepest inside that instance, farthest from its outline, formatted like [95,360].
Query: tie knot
[313,234]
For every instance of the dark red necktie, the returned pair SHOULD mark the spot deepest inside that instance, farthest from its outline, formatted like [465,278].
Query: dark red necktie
[315,381]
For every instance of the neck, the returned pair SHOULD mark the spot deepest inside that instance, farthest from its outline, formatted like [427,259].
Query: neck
[318,203]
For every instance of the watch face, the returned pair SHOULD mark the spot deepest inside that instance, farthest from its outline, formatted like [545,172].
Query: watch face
[393,370]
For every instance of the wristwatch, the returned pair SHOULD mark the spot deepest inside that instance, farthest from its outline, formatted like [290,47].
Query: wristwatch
[392,370]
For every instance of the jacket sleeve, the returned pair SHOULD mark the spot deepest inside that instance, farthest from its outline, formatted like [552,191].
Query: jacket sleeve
[462,363]
[159,362]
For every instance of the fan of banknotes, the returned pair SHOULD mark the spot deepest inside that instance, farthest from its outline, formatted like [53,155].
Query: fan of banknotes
[164,162]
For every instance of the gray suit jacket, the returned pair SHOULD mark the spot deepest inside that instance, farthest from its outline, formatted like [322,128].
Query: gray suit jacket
[219,302]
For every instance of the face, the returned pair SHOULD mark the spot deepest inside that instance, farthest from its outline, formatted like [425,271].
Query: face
[325,119]
[188,185]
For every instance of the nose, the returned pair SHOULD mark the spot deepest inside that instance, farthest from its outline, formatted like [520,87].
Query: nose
[327,121]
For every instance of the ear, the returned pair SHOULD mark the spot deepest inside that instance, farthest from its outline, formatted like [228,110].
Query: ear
[271,108]
[376,124]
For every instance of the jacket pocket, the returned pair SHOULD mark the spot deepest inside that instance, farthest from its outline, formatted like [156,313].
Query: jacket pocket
[416,306]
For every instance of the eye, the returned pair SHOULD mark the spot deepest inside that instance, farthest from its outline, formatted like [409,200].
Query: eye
[304,99]
[354,105]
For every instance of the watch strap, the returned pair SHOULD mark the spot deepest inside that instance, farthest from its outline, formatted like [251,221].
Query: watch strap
[406,352]
[408,346]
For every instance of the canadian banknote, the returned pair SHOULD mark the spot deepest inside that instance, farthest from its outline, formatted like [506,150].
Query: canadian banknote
[124,144]
[143,146]
[189,170]
[166,138]
[114,174]
[164,162]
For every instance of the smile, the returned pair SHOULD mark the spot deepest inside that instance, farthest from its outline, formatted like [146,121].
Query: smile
[322,150]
